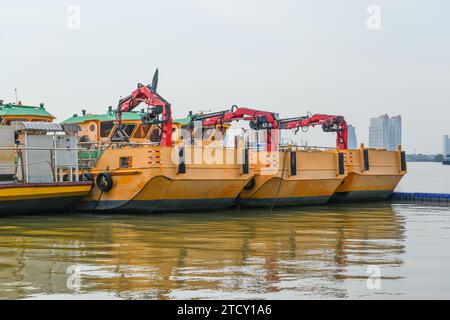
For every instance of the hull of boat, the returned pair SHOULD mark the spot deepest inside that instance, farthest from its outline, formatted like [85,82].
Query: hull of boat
[374,181]
[312,180]
[357,187]
[164,194]
[160,187]
[43,198]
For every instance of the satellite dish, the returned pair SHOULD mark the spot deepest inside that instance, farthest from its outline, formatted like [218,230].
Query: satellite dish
[154,85]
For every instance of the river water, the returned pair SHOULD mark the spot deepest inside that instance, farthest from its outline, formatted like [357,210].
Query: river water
[377,250]
[426,177]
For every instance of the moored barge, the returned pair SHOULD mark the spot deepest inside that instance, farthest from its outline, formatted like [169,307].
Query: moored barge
[372,174]
[138,168]
[284,176]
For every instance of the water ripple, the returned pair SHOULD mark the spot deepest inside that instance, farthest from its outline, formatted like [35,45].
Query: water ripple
[321,252]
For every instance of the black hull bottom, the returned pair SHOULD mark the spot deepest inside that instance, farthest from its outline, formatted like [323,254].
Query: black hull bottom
[361,196]
[159,206]
[39,206]
[186,205]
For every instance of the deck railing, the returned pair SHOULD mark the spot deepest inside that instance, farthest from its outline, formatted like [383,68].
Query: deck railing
[35,164]
[90,152]
[306,148]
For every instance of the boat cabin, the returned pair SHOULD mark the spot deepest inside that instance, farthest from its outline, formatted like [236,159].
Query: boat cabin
[102,127]
[18,112]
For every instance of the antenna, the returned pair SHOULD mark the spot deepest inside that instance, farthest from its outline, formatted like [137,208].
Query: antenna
[15,91]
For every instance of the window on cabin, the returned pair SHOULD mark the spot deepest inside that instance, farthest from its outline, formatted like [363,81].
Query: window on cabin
[105,128]
[40,120]
[155,136]
[8,122]
[125,162]
[127,128]
[142,131]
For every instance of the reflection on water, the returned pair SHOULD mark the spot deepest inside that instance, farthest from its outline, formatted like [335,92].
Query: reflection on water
[297,253]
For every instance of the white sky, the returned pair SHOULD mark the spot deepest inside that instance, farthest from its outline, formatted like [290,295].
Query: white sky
[284,56]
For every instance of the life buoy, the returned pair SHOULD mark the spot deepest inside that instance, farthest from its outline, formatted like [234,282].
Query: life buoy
[104,181]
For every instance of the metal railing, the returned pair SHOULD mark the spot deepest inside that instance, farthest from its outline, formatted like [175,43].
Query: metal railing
[306,148]
[19,167]
[90,152]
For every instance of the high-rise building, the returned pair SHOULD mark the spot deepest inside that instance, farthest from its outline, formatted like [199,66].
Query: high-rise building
[352,140]
[446,151]
[394,132]
[385,132]
[378,132]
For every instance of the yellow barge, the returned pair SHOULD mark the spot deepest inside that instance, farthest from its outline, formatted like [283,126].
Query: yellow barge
[143,178]
[137,168]
[41,197]
[372,174]
[284,176]
[299,177]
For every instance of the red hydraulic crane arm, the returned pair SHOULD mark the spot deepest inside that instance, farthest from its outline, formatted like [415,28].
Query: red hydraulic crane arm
[259,120]
[329,123]
[141,94]
[159,113]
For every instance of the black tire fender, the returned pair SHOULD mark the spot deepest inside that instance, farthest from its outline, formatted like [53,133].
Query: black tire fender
[104,181]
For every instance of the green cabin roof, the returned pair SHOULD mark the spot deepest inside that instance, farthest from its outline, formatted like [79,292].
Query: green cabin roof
[184,121]
[109,116]
[11,109]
